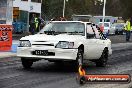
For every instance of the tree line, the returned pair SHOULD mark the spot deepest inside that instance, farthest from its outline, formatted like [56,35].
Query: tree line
[54,8]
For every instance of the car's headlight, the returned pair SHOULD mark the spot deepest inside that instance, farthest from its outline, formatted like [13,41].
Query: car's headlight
[24,44]
[64,44]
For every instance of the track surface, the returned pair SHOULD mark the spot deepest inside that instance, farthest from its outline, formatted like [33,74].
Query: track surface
[45,74]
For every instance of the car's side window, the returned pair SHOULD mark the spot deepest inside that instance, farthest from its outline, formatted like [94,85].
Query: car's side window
[101,35]
[90,32]
[97,33]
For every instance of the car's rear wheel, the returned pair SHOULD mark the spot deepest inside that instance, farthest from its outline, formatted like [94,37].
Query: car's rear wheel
[26,63]
[102,62]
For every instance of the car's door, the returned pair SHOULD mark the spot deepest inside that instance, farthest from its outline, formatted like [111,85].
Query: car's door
[93,46]
[100,40]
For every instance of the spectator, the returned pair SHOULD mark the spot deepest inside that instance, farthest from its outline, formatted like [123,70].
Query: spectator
[32,24]
[128,29]
[40,23]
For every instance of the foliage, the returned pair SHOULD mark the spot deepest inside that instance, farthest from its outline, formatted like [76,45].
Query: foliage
[54,8]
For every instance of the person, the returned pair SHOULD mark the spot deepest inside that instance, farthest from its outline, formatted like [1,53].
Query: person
[107,33]
[40,24]
[32,24]
[36,24]
[101,28]
[128,30]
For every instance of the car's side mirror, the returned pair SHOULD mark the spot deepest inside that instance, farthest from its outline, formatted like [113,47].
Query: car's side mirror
[90,35]
[94,25]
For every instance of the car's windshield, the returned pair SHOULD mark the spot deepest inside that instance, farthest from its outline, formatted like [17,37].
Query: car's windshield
[75,28]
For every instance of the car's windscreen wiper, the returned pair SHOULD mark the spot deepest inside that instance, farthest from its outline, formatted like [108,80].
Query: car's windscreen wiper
[53,32]
[74,33]
[49,32]
[56,33]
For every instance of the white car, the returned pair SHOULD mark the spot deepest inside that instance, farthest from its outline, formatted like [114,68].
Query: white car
[65,41]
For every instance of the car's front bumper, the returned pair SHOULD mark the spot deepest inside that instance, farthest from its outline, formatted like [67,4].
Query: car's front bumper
[59,54]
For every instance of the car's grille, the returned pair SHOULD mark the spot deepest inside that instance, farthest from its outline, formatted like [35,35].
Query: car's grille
[43,44]
[40,41]
[43,53]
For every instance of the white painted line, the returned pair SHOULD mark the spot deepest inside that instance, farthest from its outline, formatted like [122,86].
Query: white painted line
[7,54]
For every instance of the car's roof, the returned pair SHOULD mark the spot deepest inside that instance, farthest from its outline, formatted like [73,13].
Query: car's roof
[71,21]
[87,22]
[66,21]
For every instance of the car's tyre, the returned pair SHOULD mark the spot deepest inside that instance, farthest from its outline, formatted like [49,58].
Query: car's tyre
[121,32]
[26,63]
[116,32]
[102,62]
[79,59]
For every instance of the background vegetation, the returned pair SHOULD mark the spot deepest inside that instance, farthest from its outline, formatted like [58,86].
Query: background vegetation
[53,8]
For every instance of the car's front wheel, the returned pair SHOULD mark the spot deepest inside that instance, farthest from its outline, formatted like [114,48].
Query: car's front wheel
[26,63]
[102,62]
[79,59]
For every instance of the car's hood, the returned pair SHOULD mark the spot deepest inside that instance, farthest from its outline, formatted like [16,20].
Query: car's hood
[60,37]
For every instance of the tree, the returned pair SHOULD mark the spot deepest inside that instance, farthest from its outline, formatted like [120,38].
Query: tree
[126,8]
[54,8]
